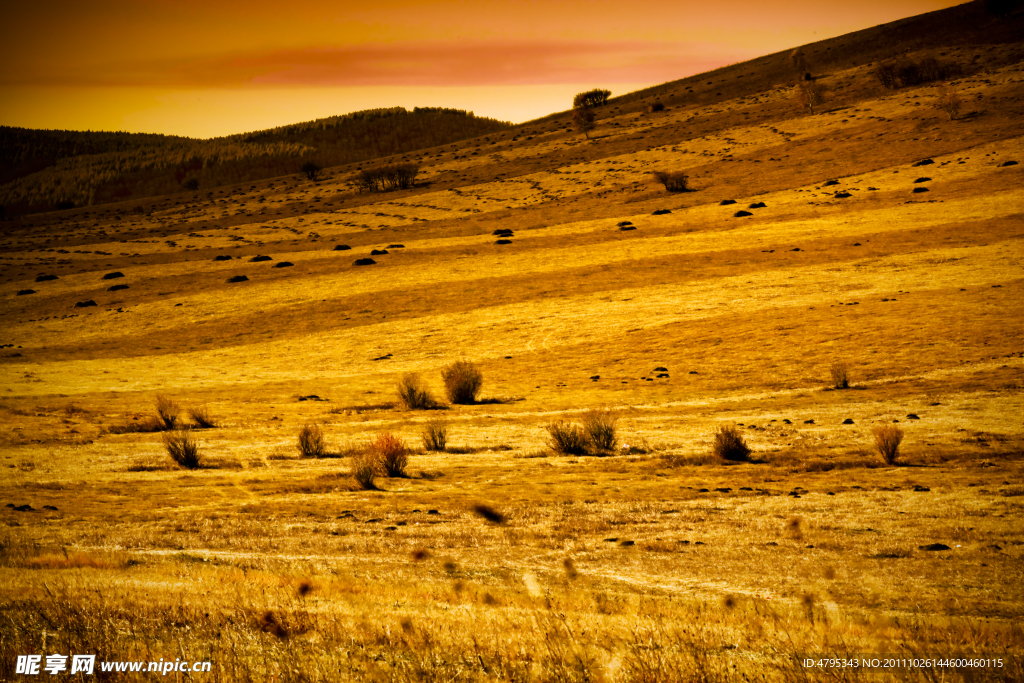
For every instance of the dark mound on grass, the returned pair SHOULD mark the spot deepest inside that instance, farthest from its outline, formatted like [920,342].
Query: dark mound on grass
[341,247]
[85,304]
[222,257]
[46,278]
[284,264]
[238,278]
[116,288]
[364,262]
[113,276]
[259,259]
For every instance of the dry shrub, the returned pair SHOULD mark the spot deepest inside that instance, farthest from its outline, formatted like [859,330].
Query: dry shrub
[312,443]
[364,470]
[201,417]
[182,448]
[462,381]
[599,426]
[729,444]
[950,102]
[435,435]
[674,181]
[567,438]
[168,412]
[413,393]
[887,440]
[840,374]
[391,454]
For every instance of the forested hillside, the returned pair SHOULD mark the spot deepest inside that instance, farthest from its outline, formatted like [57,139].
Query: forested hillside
[44,170]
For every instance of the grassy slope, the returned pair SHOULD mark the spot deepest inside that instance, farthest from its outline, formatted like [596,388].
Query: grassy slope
[919,293]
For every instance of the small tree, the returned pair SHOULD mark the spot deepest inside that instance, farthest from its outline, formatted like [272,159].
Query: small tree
[950,102]
[592,98]
[462,382]
[887,440]
[810,94]
[311,170]
[192,184]
[583,120]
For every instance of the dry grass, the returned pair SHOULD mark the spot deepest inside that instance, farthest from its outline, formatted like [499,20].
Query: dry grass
[887,440]
[183,448]
[312,442]
[730,445]
[462,382]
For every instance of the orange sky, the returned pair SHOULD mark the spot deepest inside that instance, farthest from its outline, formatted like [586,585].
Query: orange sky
[213,67]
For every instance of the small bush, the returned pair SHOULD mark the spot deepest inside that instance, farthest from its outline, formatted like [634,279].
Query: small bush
[435,435]
[390,453]
[311,442]
[462,381]
[673,181]
[887,440]
[364,470]
[183,449]
[168,412]
[201,417]
[950,102]
[599,426]
[567,438]
[413,393]
[310,170]
[656,106]
[840,375]
[729,444]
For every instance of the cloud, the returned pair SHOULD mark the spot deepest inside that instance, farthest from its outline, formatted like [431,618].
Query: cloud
[421,64]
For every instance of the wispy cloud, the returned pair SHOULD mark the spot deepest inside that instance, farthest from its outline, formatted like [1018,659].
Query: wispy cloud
[419,64]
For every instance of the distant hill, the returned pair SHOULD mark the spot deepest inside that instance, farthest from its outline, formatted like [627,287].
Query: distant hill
[42,170]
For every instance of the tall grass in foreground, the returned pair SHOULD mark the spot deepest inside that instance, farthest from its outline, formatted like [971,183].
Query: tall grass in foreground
[183,448]
[200,416]
[490,633]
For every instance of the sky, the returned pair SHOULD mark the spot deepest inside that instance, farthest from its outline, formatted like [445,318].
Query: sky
[205,68]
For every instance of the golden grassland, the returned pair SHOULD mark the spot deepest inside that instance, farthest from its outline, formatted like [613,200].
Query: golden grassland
[652,562]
